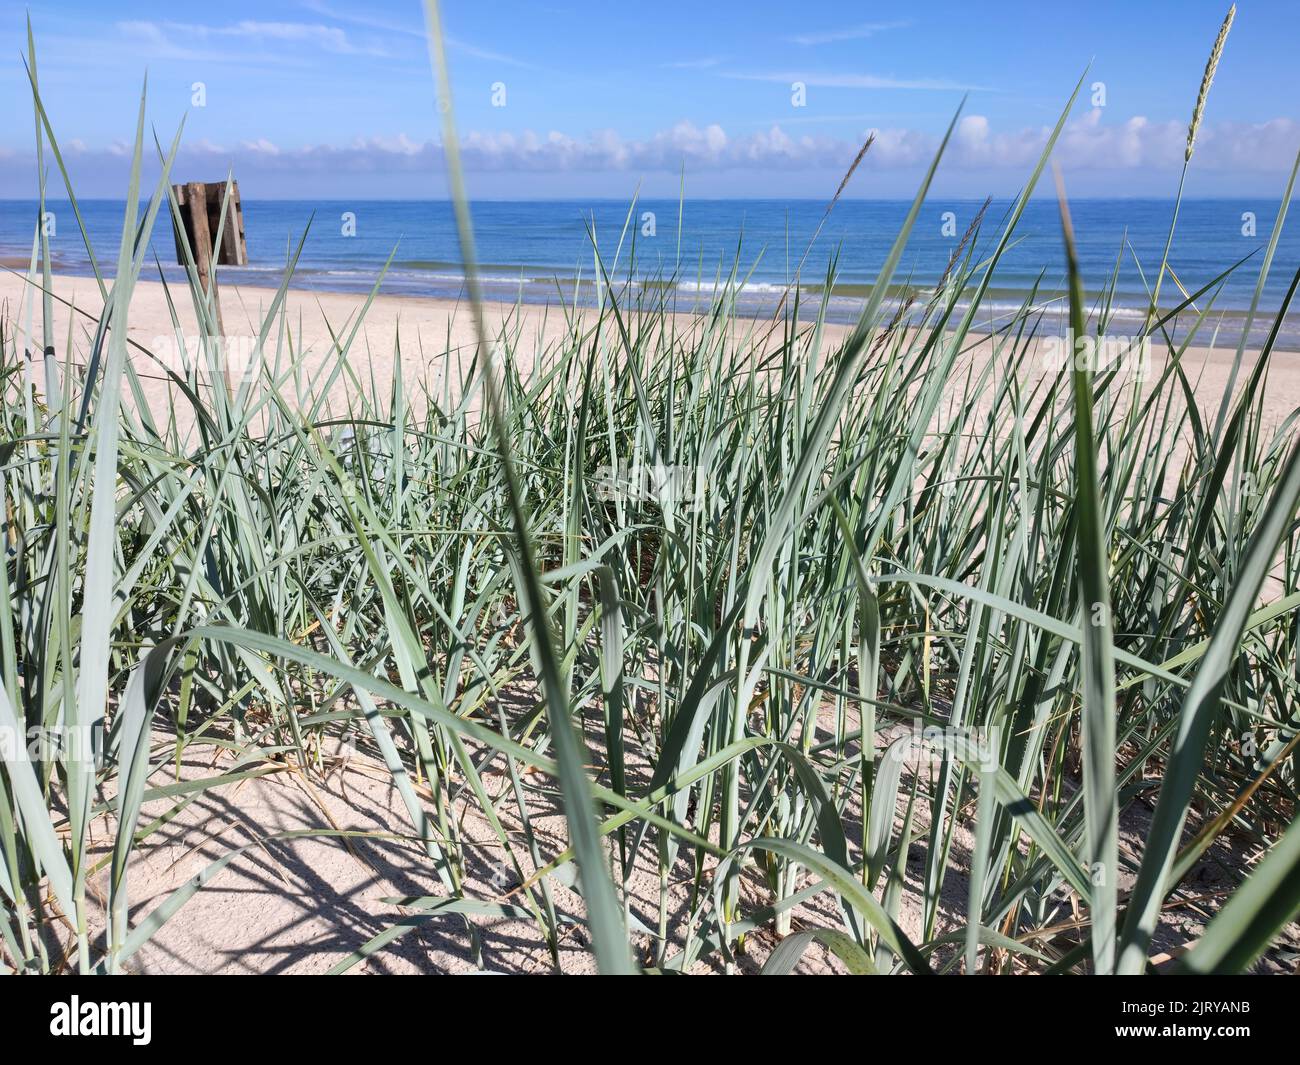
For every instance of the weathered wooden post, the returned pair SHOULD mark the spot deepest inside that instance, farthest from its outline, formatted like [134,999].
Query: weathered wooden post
[200,209]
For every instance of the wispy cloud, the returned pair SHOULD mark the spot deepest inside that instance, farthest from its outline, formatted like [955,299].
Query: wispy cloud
[413,29]
[409,29]
[697,64]
[178,39]
[859,81]
[475,52]
[847,33]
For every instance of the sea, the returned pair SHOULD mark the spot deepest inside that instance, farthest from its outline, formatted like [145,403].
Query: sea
[553,251]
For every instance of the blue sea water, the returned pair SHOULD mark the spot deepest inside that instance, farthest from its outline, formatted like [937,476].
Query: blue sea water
[539,251]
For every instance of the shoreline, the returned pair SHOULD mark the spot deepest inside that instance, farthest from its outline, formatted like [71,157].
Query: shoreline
[678,252]
[755,297]
[13,271]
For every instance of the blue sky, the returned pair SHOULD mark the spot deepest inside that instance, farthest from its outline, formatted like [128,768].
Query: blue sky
[333,98]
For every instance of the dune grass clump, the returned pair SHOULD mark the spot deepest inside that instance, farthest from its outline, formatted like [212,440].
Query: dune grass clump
[884,615]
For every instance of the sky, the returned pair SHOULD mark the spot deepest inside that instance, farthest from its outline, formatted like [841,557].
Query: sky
[334,99]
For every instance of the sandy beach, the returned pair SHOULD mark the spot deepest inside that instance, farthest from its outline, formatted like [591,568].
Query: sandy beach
[429,330]
[432,333]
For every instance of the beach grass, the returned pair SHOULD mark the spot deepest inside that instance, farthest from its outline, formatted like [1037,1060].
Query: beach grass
[767,616]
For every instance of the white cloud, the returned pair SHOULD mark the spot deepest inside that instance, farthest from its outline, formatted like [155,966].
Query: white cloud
[696,64]
[178,39]
[411,29]
[475,52]
[1088,144]
[848,33]
[1136,143]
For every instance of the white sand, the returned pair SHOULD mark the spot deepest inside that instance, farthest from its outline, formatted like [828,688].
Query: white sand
[428,328]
